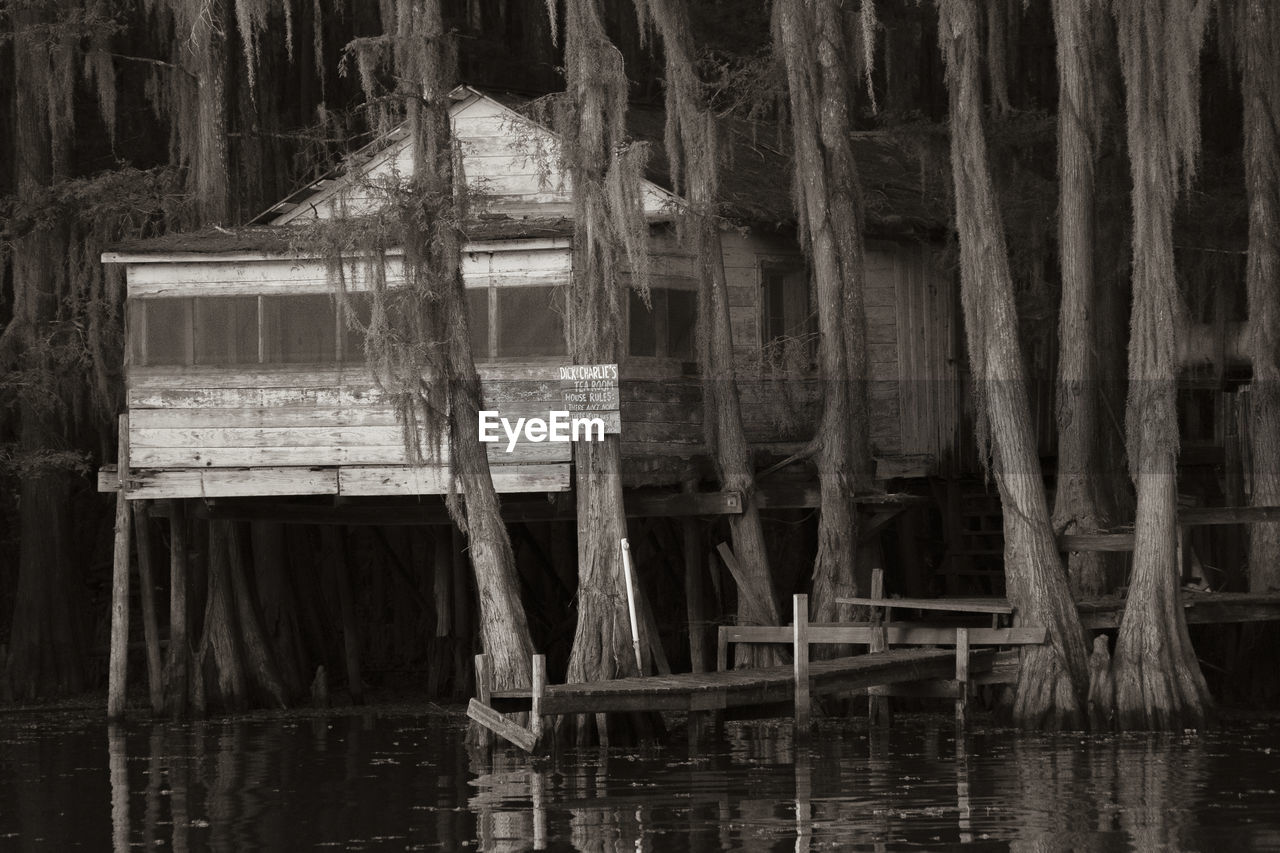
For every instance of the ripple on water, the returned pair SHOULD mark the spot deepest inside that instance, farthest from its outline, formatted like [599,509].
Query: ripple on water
[395,780]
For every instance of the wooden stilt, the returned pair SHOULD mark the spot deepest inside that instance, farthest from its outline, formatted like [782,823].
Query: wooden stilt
[536,692]
[962,677]
[117,673]
[147,594]
[463,605]
[878,710]
[692,542]
[484,694]
[800,650]
[179,654]
[442,580]
[118,773]
[346,606]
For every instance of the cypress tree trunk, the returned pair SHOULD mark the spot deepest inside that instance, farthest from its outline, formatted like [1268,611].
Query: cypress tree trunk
[210,170]
[234,657]
[692,145]
[45,654]
[1052,679]
[1158,680]
[433,254]
[722,421]
[1261,91]
[609,228]
[1259,40]
[829,204]
[1076,507]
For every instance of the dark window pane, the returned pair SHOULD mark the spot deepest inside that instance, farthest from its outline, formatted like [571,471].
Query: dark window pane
[358,308]
[226,329]
[787,319]
[774,303]
[643,339]
[161,330]
[300,329]
[478,318]
[682,316]
[530,321]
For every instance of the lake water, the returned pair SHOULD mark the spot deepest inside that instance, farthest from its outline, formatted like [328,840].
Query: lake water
[397,779]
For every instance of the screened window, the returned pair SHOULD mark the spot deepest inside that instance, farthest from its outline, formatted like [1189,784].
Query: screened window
[318,328]
[300,329]
[226,329]
[516,322]
[530,322]
[160,331]
[664,328]
[478,319]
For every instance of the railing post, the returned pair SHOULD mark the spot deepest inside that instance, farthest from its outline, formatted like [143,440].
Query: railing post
[483,693]
[962,676]
[536,692]
[877,702]
[800,643]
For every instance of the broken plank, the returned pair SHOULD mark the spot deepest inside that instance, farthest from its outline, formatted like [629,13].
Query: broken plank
[500,725]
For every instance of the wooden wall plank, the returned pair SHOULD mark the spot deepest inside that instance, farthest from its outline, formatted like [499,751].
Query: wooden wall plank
[256,457]
[264,482]
[368,481]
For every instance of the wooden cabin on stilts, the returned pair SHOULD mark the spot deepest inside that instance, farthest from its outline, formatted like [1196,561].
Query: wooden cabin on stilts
[256,429]
[249,399]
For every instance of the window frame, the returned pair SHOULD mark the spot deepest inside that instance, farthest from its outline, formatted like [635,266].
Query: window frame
[788,265]
[138,332]
[662,323]
[138,321]
[491,288]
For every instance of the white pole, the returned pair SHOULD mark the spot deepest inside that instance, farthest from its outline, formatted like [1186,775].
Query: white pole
[631,605]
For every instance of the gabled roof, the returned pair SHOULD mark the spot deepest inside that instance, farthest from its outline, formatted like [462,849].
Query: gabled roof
[754,187]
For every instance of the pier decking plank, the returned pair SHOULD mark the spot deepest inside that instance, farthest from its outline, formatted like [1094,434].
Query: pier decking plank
[706,691]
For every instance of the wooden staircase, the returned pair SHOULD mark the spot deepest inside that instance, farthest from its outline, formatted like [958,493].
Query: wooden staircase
[974,532]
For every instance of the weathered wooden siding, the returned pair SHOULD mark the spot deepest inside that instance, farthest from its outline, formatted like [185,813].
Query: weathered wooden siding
[278,418]
[307,430]
[510,164]
[929,356]
[786,408]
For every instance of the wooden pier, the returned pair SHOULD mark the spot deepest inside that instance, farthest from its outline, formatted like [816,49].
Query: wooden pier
[936,672]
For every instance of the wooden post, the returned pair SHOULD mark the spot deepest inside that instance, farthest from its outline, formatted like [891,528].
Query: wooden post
[536,692]
[722,650]
[336,545]
[692,536]
[800,643]
[147,593]
[631,605]
[178,643]
[878,711]
[962,677]
[118,667]
[118,774]
[483,693]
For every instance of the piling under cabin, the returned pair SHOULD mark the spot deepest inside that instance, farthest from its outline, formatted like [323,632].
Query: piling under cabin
[244,379]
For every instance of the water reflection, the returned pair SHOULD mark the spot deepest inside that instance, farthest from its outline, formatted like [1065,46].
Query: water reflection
[405,781]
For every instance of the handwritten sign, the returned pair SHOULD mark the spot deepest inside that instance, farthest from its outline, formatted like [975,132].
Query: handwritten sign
[591,391]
